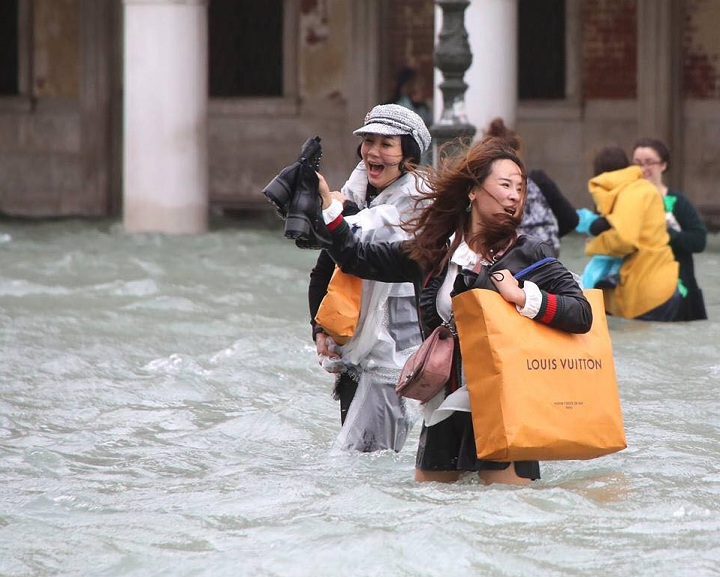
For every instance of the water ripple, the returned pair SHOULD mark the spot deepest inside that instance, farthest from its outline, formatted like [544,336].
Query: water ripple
[162,412]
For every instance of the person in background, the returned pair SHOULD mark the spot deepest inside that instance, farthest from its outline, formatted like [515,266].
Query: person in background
[548,215]
[381,193]
[410,93]
[630,224]
[688,234]
[475,206]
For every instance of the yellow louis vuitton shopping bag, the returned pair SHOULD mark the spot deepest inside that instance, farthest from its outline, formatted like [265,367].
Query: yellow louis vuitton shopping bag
[537,393]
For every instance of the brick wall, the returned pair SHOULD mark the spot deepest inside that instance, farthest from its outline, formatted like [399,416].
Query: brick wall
[609,51]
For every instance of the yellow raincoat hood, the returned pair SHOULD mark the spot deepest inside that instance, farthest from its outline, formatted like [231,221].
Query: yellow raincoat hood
[605,187]
[635,211]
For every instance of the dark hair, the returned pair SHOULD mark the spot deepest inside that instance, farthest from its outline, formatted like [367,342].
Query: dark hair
[658,146]
[445,213]
[610,158]
[410,152]
[405,76]
[498,129]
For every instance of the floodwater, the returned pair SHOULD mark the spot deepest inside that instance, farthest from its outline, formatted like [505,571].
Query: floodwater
[162,413]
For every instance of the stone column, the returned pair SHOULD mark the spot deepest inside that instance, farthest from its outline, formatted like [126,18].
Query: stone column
[659,74]
[363,62]
[492,77]
[165,172]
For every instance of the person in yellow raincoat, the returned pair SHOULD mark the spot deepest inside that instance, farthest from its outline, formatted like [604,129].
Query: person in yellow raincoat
[630,224]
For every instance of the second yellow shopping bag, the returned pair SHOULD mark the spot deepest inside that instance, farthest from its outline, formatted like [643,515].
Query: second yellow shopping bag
[340,308]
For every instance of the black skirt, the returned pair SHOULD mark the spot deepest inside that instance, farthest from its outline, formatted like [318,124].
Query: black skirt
[450,446]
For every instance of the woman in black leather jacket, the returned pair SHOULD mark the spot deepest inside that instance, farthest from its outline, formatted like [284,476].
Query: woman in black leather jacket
[476,205]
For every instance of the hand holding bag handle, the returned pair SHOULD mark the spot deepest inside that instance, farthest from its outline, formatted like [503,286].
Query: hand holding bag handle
[428,369]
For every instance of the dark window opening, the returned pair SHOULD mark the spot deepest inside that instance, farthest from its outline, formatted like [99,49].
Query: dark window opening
[9,47]
[245,48]
[541,49]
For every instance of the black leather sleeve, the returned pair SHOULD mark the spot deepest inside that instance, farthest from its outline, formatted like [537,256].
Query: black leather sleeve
[319,279]
[574,313]
[378,261]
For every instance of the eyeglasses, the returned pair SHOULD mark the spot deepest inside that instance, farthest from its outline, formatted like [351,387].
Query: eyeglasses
[644,163]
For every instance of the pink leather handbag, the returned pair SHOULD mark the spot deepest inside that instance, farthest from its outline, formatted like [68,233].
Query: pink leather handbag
[428,369]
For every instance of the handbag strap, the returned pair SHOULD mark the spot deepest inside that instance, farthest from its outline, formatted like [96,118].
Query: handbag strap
[450,324]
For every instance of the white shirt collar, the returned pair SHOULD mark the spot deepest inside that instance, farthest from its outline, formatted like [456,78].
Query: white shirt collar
[464,256]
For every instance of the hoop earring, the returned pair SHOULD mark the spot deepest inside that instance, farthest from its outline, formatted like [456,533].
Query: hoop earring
[468,208]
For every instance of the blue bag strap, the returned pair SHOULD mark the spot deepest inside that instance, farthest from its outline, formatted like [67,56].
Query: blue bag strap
[527,270]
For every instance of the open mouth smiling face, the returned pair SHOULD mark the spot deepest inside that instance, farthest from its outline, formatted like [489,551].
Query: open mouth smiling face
[382,156]
[375,170]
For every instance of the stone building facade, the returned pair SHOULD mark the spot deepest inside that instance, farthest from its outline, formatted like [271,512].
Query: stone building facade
[280,71]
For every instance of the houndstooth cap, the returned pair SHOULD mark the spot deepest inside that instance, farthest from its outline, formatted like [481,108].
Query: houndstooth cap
[395,120]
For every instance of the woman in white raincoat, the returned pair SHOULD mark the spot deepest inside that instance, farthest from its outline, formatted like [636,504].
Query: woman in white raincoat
[383,192]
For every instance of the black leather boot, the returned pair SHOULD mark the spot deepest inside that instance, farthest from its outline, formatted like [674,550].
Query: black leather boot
[311,153]
[281,189]
[304,221]
[294,192]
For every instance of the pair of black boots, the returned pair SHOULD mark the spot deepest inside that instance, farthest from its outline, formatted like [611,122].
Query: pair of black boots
[294,192]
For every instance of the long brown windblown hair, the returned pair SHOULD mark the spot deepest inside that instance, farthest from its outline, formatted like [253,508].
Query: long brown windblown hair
[447,198]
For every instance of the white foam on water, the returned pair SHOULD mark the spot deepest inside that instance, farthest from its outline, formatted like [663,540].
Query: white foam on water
[162,412]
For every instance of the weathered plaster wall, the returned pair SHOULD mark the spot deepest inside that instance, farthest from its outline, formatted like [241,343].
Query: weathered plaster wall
[40,138]
[323,47]
[56,35]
